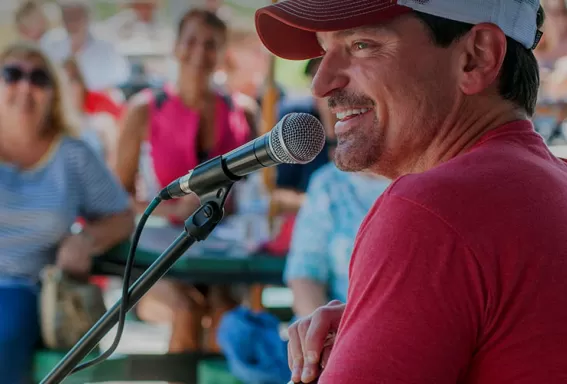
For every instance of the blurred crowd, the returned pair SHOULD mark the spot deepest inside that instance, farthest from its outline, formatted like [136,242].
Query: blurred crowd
[551,54]
[88,137]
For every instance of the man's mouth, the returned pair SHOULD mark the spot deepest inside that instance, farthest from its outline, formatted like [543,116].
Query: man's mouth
[346,114]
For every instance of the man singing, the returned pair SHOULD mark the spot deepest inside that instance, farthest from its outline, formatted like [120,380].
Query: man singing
[459,272]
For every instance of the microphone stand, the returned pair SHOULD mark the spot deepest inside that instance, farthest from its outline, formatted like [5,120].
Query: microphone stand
[197,228]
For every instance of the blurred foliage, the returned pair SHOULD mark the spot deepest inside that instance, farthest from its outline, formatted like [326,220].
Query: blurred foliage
[290,74]
[105,9]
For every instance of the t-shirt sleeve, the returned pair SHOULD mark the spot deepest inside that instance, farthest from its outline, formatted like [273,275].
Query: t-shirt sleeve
[415,303]
[308,257]
[100,192]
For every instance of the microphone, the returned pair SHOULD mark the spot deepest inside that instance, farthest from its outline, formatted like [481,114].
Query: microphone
[296,139]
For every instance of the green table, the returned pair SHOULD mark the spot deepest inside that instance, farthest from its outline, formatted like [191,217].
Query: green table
[214,261]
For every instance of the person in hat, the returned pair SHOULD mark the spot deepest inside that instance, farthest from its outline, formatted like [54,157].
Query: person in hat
[458,274]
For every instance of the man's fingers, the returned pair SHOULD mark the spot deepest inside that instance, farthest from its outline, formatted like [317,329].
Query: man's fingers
[323,322]
[325,356]
[295,352]
[310,341]
[310,361]
[310,373]
[302,328]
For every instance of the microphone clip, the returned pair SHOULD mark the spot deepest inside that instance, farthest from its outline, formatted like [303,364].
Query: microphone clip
[206,180]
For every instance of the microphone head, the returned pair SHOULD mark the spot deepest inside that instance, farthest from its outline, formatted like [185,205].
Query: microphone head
[297,139]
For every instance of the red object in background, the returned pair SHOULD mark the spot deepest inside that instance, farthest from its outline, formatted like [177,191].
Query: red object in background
[279,245]
[97,102]
[101,281]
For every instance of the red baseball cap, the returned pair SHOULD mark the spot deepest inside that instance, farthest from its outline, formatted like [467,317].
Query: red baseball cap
[288,28]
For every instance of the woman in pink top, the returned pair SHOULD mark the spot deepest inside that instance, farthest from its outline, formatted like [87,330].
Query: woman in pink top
[164,134]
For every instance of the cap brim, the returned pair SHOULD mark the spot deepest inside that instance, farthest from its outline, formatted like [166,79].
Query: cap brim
[288,29]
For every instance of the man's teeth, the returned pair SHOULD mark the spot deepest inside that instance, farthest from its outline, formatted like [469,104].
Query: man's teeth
[351,112]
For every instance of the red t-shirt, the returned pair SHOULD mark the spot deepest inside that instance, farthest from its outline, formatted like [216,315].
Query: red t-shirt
[459,274]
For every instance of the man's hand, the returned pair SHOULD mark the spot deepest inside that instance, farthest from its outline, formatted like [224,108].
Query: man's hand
[75,255]
[311,340]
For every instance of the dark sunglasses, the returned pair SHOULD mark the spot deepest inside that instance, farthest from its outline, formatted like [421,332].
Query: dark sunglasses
[37,77]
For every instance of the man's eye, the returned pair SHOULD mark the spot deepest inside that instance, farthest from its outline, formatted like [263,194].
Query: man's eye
[360,45]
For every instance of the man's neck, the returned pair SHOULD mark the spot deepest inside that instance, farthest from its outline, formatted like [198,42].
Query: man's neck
[462,130]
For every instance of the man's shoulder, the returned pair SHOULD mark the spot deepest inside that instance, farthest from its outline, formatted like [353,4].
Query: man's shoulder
[479,170]
[486,185]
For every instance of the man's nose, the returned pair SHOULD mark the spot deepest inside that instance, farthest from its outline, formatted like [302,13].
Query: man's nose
[329,77]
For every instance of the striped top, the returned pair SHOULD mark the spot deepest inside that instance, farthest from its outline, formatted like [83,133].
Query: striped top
[38,206]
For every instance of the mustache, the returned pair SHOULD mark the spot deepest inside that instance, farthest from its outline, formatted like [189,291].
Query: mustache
[345,99]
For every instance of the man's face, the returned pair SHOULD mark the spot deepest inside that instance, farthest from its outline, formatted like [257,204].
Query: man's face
[390,87]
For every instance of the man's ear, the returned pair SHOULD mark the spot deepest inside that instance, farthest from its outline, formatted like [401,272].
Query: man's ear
[483,50]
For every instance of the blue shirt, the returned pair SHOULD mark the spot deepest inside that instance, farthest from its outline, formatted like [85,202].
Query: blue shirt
[39,205]
[327,224]
[296,176]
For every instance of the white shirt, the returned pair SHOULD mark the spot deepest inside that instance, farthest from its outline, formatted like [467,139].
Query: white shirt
[101,65]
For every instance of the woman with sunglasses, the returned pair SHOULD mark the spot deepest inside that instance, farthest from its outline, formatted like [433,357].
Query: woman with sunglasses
[48,178]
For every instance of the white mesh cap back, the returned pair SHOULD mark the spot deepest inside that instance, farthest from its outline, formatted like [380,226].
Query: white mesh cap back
[516,18]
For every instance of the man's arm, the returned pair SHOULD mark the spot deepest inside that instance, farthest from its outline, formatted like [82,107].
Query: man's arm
[308,295]
[416,301]
[308,263]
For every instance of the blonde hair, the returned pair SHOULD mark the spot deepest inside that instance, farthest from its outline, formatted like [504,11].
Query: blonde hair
[63,119]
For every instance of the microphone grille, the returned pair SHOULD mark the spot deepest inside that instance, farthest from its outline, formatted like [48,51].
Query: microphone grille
[297,139]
